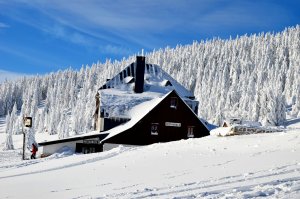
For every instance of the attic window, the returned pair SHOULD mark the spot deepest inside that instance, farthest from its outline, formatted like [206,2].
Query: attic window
[173,102]
[154,128]
[225,124]
[190,133]
[168,83]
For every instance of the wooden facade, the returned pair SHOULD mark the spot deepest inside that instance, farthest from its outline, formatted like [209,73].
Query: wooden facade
[172,119]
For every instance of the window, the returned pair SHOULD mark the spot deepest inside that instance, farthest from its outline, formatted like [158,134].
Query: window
[190,133]
[154,129]
[173,103]
[87,149]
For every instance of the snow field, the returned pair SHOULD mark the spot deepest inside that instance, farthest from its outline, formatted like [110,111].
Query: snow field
[264,165]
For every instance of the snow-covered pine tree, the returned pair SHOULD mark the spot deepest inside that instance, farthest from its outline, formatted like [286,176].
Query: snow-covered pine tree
[63,126]
[8,145]
[232,77]
[15,127]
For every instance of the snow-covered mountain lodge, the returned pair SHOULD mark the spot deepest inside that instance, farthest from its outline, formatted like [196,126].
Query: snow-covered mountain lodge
[141,105]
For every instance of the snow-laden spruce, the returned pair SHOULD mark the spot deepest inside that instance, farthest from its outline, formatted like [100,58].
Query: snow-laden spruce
[252,77]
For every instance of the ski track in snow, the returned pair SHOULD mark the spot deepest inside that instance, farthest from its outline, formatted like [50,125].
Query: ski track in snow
[278,180]
[110,154]
[199,189]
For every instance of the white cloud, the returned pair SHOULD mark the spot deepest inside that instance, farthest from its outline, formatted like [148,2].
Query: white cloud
[115,50]
[112,22]
[29,55]
[3,25]
[66,34]
[7,75]
[239,14]
[144,24]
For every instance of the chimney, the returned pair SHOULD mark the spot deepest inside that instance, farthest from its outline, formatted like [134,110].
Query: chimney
[139,74]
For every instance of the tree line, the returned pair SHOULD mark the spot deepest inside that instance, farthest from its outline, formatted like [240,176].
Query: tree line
[254,77]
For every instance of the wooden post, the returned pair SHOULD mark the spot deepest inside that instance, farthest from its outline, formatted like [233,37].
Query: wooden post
[27,122]
[23,157]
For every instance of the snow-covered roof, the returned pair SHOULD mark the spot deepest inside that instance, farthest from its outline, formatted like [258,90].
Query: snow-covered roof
[54,140]
[117,95]
[136,114]
[155,80]
[118,103]
[243,130]
[239,121]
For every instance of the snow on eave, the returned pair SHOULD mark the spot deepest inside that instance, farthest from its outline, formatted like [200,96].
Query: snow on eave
[242,130]
[128,79]
[137,113]
[92,134]
[240,121]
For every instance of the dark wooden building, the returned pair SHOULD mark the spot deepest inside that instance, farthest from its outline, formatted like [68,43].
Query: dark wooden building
[141,105]
[171,119]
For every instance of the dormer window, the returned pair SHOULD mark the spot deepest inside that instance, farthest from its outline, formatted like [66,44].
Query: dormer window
[173,102]
[154,128]
[168,83]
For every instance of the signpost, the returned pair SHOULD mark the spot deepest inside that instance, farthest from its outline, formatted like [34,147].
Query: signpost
[27,122]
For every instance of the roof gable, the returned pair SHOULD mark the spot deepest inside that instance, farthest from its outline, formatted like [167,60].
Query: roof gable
[154,77]
[141,111]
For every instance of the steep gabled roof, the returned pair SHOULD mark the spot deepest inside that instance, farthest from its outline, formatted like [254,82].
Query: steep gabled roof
[119,94]
[155,77]
[140,111]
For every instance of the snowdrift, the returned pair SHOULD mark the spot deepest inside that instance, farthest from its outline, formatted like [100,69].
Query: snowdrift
[243,130]
[253,166]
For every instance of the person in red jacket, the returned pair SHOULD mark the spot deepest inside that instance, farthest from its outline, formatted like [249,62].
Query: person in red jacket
[33,151]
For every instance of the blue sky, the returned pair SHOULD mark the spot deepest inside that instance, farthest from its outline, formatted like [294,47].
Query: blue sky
[38,36]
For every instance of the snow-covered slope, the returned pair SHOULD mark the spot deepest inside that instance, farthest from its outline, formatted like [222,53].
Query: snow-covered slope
[261,165]
[251,77]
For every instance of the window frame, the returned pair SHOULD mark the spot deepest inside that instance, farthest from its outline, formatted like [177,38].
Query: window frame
[191,131]
[174,102]
[154,128]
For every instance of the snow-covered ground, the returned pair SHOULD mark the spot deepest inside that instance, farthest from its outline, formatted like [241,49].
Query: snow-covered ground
[247,166]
